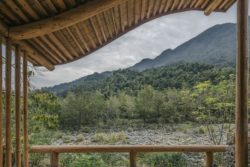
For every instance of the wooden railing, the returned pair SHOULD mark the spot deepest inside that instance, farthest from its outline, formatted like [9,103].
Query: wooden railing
[132,150]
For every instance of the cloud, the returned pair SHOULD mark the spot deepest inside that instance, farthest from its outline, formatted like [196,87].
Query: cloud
[146,41]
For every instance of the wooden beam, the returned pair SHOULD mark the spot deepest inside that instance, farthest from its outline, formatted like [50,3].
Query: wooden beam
[1,103]
[241,122]
[63,20]
[127,148]
[36,55]
[8,161]
[25,110]
[17,104]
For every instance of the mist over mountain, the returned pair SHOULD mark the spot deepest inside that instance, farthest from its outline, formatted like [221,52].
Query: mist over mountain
[216,46]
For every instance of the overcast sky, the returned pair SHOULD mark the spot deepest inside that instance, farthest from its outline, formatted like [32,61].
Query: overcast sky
[146,41]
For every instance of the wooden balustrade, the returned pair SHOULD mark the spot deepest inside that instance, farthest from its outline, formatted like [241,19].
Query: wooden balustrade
[132,150]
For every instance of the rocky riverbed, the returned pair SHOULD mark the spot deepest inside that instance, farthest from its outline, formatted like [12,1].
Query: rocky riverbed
[179,135]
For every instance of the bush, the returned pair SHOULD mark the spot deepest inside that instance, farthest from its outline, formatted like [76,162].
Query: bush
[80,138]
[82,160]
[165,160]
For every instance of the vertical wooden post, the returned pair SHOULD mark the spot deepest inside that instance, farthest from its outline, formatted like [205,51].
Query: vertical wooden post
[209,159]
[17,106]
[241,144]
[54,160]
[8,102]
[132,157]
[1,104]
[25,110]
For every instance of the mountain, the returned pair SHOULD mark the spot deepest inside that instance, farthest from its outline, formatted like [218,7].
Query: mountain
[93,79]
[216,45]
[174,76]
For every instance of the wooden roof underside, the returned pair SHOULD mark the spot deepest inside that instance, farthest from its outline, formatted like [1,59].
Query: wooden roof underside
[54,32]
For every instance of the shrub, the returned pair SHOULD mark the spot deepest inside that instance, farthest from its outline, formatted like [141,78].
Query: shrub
[163,160]
[79,138]
[88,161]
[66,139]
[82,160]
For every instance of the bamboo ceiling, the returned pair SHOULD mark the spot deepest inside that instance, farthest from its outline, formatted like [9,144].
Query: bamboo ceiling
[54,32]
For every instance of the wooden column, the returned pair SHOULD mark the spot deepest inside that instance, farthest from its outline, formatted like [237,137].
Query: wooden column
[17,106]
[1,105]
[54,161]
[132,157]
[241,144]
[25,110]
[209,159]
[8,102]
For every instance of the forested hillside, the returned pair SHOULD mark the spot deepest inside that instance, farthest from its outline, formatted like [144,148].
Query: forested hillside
[130,81]
[176,93]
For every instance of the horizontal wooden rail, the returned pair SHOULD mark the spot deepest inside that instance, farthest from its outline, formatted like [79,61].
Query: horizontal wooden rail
[131,149]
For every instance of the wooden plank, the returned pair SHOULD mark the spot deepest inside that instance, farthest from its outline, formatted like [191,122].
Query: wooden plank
[15,9]
[241,122]
[99,22]
[87,33]
[168,5]
[114,21]
[37,6]
[144,9]
[174,5]
[17,104]
[137,11]
[36,55]
[157,7]
[97,34]
[127,148]
[162,6]
[75,40]
[4,9]
[61,21]
[181,4]
[60,45]
[53,48]
[28,9]
[108,24]
[212,6]
[60,35]
[49,6]
[45,47]
[131,14]
[150,8]
[60,5]
[40,49]
[8,160]
[25,110]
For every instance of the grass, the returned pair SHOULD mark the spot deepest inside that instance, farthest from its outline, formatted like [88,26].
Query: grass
[112,138]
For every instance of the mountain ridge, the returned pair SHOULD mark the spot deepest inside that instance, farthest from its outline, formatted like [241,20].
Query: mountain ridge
[216,46]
